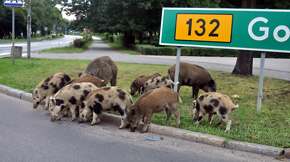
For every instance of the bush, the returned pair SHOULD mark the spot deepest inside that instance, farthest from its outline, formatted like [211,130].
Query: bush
[80,43]
[77,43]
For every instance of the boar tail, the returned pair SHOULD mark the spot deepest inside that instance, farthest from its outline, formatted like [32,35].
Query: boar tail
[180,101]
[236,106]
[131,100]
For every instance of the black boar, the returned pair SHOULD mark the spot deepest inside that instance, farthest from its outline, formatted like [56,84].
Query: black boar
[195,76]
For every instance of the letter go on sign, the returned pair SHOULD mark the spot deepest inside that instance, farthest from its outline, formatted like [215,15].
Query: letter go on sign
[264,30]
[204,27]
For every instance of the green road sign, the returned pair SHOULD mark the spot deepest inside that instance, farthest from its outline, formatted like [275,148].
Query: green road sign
[243,29]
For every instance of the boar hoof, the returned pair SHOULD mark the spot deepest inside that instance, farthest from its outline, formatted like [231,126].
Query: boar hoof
[143,132]
[133,129]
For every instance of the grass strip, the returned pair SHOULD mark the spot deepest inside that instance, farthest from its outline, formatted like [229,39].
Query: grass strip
[270,127]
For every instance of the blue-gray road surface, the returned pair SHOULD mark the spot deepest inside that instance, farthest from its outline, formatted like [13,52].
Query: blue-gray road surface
[27,135]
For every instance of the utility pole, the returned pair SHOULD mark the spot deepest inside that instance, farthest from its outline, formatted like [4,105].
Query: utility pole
[28,29]
[13,34]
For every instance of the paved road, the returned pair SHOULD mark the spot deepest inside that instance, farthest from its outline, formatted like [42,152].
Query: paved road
[28,135]
[5,48]
[276,68]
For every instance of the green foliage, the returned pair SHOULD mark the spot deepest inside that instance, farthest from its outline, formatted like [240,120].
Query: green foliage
[43,14]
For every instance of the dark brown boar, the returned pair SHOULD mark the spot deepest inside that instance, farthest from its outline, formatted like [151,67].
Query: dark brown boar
[103,68]
[195,76]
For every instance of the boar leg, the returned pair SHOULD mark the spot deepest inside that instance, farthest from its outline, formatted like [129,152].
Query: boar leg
[168,115]
[113,82]
[134,124]
[45,107]
[96,118]
[73,112]
[196,113]
[145,124]
[229,123]
[195,90]
[124,122]
[210,117]
[201,115]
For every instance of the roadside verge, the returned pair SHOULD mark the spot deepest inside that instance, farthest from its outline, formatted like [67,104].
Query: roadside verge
[177,133]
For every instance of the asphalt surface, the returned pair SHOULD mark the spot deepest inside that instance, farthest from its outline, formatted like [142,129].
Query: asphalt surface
[277,68]
[27,135]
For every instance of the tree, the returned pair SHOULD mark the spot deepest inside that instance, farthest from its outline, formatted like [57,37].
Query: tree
[244,64]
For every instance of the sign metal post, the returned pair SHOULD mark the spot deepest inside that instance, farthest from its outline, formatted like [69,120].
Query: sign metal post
[264,30]
[13,3]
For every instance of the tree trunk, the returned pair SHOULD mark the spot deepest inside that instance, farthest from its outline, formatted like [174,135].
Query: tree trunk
[244,64]
[141,37]
[151,37]
[129,38]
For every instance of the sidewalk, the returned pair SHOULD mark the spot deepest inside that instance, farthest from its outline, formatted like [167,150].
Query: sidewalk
[276,68]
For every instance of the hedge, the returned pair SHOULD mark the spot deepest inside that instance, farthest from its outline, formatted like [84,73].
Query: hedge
[194,51]
[186,51]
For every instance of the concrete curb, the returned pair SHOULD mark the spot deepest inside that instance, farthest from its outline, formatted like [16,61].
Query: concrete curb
[175,132]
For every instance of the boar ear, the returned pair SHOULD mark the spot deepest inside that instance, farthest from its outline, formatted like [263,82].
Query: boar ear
[211,83]
[132,112]
[52,99]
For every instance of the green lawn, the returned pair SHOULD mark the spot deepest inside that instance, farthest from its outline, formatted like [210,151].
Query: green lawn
[270,127]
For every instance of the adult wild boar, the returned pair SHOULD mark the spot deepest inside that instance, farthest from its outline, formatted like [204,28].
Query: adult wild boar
[195,76]
[104,99]
[154,101]
[69,97]
[103,68]
[140,81]
[88,78]
[214,103]
[48,87]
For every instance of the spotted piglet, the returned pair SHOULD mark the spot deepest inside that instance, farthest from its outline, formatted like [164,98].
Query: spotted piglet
[104,99]
[156,82]
[69,97]
[214,103]
[48,87]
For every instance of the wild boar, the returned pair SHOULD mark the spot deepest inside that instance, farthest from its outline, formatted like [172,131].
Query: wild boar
[88,78]
[214,103]
[195,76]
[154,101]
[103,68]
[156,82]
[48,87]
[140,81]
[104,99]
[69,97]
